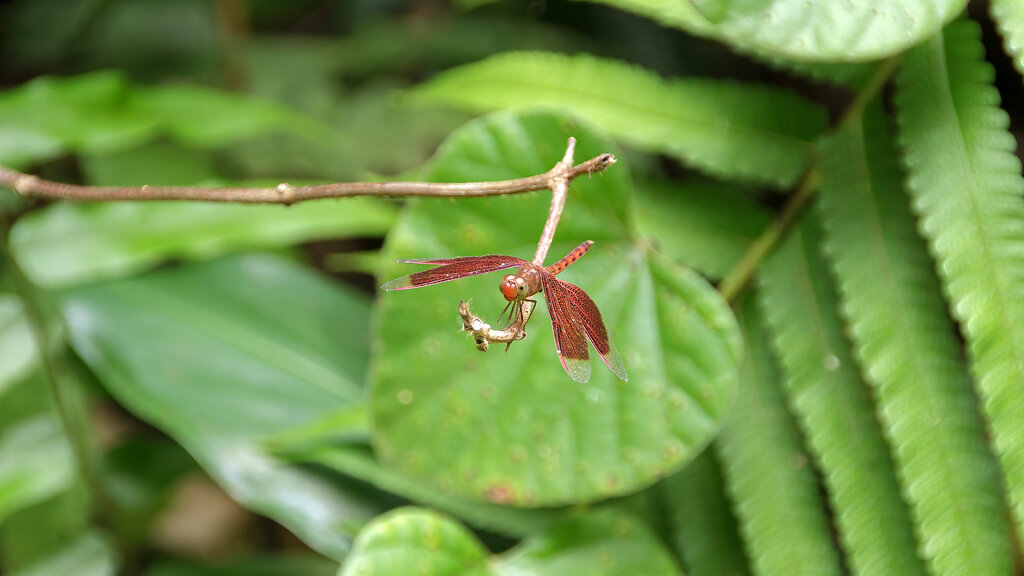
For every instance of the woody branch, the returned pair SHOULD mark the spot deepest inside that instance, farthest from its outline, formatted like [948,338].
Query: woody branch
[34,187]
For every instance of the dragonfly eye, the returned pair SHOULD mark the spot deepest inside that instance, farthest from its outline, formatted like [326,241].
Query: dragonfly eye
[521,285]
[508,288]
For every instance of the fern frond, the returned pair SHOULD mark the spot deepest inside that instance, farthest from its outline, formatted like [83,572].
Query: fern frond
[727,129]
[704,224]
[704,531]
[835,408]
[907,346]
[966,186]
[768,476]
[1009,18]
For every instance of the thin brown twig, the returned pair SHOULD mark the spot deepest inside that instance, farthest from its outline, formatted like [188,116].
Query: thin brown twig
[34,187]
[559,190]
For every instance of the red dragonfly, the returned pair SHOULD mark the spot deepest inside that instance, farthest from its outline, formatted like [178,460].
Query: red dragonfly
[574,316]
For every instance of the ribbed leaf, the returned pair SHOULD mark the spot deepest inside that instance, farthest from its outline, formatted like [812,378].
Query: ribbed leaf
[835,409]
[767,473]
[419,541]
[704,530]
[966,186]
[1009,17]
[727,129]
[910,354]
[703,224]
[828,30]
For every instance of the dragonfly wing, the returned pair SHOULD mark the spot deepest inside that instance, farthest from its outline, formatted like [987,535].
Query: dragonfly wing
[594,326]
[570,341]
[451,269]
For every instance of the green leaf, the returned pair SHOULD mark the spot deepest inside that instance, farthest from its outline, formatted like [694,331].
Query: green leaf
[66,244]
[35,463]
[1009,18]
[223,356]
[705,225]
[89,555]
[829,30]
[704,530]
[527,434]
[911,356]
[419,541]
[50,116]
[768,476]
[685,16]
[358,462]
[833,405]
[727,129]
[18,352]
[198,116]
[269,565]
[966,186]
[104,112]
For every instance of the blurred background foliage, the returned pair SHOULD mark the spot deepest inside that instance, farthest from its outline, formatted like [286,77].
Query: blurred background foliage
[198,389]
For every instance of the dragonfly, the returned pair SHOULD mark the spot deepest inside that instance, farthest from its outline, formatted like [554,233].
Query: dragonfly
[574,316]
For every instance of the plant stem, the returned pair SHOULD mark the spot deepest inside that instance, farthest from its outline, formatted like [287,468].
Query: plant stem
[74,428]
[33,186]
[737,279]
[743,271]
[559,185]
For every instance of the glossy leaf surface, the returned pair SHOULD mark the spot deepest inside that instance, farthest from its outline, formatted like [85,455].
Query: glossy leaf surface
[222,356]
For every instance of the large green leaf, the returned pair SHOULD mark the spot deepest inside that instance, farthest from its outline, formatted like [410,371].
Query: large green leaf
[1009,17]
[18,352]
[768,475]
[65,244]
[225,354]
[704,530]
[685,16]
[705,225]
[827,30]
[910,353]
[525,432]
[834,406]
[728,129]
[966,185]
[418,541]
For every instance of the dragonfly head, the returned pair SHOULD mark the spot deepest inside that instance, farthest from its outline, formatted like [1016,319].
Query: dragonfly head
[513,287]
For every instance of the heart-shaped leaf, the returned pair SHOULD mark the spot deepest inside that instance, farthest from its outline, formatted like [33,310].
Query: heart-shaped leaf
[513,427]
[226,354]
[419,541]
